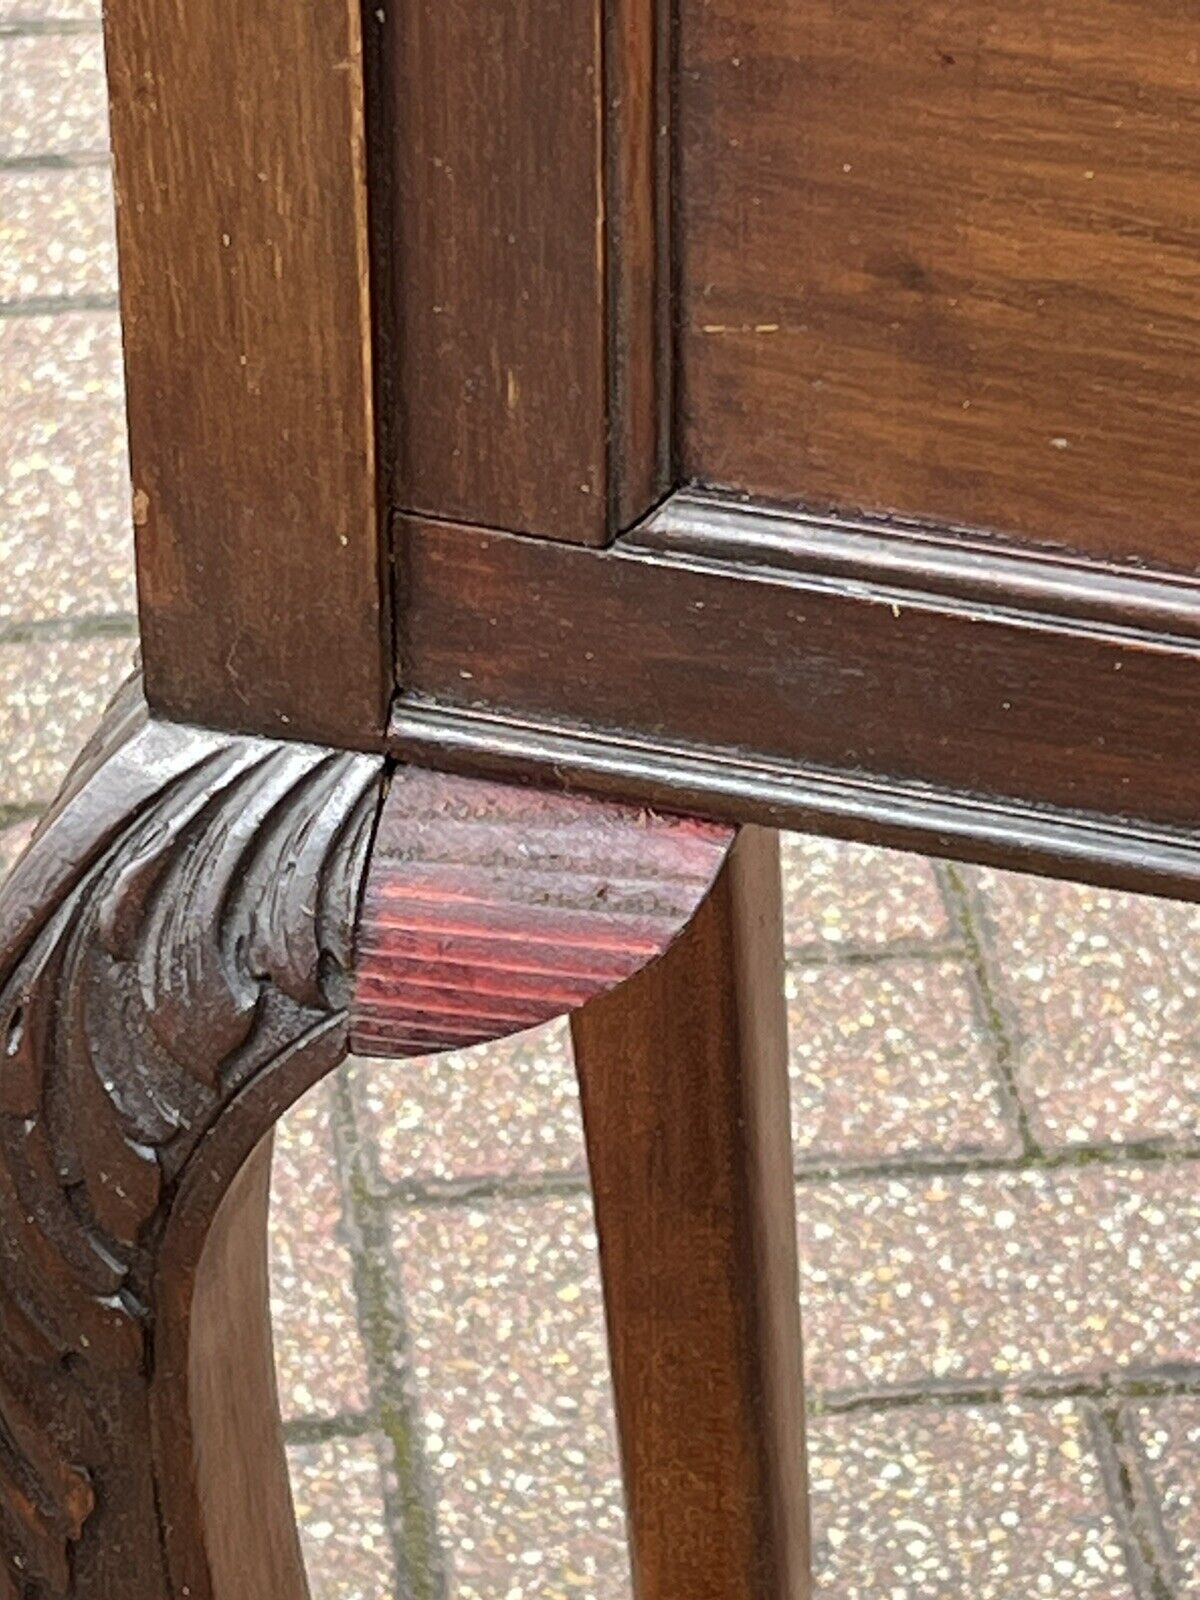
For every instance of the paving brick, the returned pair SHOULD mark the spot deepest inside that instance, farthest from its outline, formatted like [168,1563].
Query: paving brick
[506,1108]
[337,1489]
[319,1359]
[839,894]
[1167,1432]
[999,1502]
[57,234]
[52,695]
[887,1059]
[54,100]
[511,1374]
[1104,994]
[1000,1276]
[14,12]
[66,540]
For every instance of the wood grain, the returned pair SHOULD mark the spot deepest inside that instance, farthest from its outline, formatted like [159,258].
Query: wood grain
[490,908]
[915,683]
[528,358]
[241,187]
[683,1074]
[251,1539]
[638,68]
[496,118]
[942,261]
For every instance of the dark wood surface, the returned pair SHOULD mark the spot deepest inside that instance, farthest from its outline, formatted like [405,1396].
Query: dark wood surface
[241,186]
[941,260]
[174,959]
[638,69]
[525,154]
[683,1073]
[762,653]
[489,909]
[178,964]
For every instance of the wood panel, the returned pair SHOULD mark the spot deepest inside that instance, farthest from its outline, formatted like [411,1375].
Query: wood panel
[683,1076]
[1013,711]
[526,359]
[942,260]
[238,134]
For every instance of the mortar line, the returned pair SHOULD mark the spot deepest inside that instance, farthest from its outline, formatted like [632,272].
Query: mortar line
[871,955]
[967,914]
[56,305]
[40,27]
[56,161]
[1145,1558]
[1154,1382]
[475,1189]
[1147,1496]
[100,625]
[409,1502]
[314,1430]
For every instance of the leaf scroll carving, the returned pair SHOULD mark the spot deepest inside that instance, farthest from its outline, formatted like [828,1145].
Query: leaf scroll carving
[184,917]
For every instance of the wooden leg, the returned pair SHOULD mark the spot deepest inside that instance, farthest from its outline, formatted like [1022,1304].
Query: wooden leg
[185,949]
[683,1072]
[175,965]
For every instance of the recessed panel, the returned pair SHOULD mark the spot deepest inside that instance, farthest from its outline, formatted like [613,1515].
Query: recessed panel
[943,259]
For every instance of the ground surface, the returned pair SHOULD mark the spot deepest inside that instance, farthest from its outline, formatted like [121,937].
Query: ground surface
[996,1105]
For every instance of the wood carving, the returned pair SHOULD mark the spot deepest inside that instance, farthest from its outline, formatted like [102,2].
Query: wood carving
[182,925]
[176,967]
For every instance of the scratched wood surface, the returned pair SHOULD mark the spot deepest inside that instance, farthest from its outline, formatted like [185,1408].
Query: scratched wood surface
[241,183]
[490,908]
[526,371]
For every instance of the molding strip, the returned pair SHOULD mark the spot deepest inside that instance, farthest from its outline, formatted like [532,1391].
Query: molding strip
[937,562]
[1084,847]
[735,661]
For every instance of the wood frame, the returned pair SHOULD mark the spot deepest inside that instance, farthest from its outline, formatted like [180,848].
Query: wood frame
[525,340]
[240,155]
[366,409]
[944,691]
[875,682]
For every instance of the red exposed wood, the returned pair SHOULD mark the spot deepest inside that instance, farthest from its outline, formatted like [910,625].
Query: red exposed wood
[490,909]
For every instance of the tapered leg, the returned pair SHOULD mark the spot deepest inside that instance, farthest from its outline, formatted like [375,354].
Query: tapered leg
[683,1072]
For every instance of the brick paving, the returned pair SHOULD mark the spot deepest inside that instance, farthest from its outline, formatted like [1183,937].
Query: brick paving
[996,1102]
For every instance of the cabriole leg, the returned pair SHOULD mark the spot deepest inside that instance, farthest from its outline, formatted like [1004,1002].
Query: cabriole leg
[182,955]
[175,964]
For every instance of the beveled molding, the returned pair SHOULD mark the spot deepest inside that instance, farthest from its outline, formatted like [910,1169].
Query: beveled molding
[942,562]
[915,687]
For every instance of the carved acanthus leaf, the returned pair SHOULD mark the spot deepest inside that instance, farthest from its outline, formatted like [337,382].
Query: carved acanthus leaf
[180,921]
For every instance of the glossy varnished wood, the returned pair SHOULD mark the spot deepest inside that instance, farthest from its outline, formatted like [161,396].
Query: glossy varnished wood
[177,966]
[696,639]
[683,1073]
[174,958]
[526,363]
[942,261]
